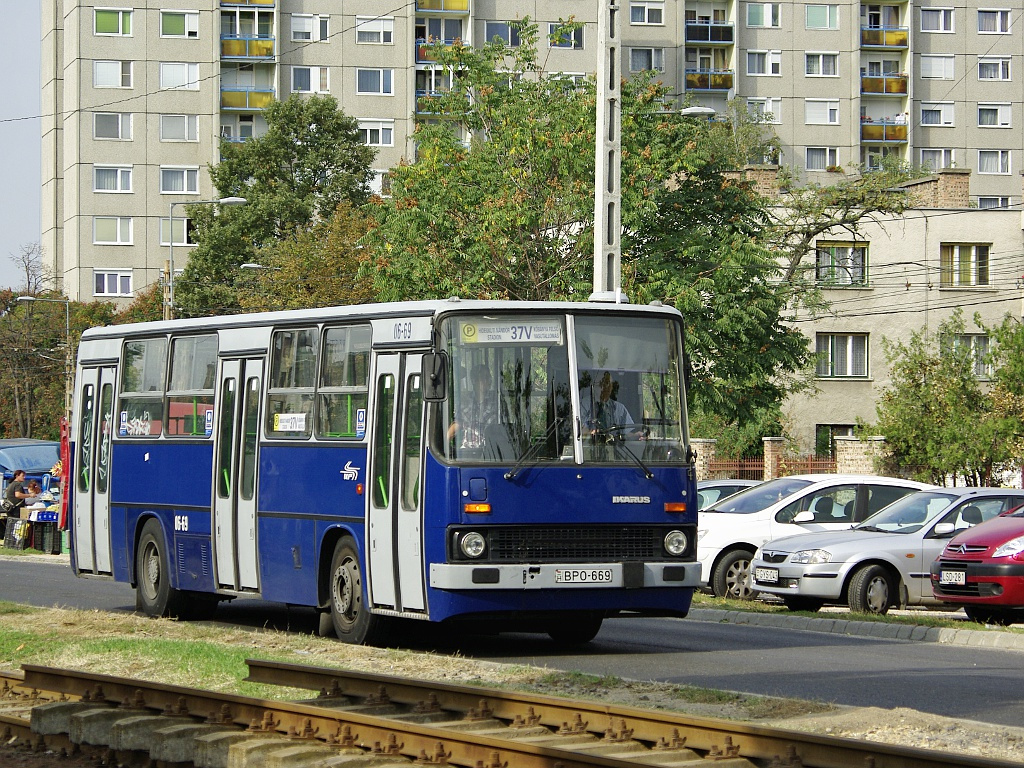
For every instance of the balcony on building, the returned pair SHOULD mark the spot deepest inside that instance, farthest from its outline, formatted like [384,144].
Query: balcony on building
[709,79]
[710,32]
[246,47]
[880,36]
[443,6]
[425,51]
[883,131]
[245,97]
[884,85]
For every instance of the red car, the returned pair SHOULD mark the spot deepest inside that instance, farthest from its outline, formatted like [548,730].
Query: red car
[982,569]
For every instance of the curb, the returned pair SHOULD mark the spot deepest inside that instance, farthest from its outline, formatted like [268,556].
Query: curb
[1010,641]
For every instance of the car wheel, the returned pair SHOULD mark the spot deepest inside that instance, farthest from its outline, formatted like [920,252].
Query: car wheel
[994,616]
[811,604]
[871,590]
[353,622]
[732,576]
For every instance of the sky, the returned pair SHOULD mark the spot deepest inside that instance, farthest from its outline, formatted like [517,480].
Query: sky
[19,135]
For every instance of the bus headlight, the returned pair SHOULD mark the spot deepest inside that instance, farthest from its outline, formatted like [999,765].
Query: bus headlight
[676,543]
[472,544]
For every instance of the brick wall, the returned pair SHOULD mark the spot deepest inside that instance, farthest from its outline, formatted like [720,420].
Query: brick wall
[705,455]
[857,457]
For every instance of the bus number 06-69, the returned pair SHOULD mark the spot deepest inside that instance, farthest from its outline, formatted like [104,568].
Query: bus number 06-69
[181,522]
[403,331]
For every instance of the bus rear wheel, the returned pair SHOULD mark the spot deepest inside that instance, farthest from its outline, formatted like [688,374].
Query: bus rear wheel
[154,595]
[353,622]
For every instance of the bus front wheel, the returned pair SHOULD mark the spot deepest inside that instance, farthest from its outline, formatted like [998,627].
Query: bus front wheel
[575,631]
[353,622]
[154,595]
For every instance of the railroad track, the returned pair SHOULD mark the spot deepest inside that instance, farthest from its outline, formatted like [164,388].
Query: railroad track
[361,719]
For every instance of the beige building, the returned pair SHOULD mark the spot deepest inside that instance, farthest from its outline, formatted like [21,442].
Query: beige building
[898,276]
[138,95]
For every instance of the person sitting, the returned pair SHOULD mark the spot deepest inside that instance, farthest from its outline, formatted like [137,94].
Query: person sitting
[605,414]
[476,413]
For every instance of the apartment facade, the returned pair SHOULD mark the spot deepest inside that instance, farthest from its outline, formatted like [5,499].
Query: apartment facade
[140,94]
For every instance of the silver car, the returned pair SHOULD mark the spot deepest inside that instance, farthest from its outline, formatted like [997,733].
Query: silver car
[881,562]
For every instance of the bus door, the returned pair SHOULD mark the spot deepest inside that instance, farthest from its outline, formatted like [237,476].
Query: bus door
[235,452]
[92,470]
[395,521]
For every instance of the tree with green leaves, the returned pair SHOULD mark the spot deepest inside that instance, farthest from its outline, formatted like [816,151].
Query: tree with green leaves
[310,160]
[939,422]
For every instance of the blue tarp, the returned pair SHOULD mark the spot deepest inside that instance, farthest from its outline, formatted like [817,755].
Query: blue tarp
[34,456]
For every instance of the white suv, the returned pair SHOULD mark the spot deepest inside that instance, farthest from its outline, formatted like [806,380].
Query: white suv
[729,532]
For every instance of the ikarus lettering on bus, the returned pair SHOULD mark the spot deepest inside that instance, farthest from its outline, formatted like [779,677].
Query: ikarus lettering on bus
[631,499]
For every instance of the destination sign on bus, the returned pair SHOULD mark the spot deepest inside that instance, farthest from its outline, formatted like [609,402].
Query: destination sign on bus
[536,331]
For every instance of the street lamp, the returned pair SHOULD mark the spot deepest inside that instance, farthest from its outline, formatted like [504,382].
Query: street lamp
[169,306]
[697,112]
[67,338]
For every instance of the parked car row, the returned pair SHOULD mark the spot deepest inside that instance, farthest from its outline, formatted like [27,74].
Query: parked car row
[868,542]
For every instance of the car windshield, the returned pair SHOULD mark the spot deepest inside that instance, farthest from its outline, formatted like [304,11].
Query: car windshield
[909,514]
[760,496]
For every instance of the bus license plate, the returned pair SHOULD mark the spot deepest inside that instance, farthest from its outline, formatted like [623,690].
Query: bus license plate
[583,575]
[766,575]
[952,577]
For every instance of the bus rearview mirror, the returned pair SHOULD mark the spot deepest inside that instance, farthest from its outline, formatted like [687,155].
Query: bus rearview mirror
[435,377]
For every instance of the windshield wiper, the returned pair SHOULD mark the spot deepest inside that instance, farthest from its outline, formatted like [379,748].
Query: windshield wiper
[532,451]
[621,446]
[871,528]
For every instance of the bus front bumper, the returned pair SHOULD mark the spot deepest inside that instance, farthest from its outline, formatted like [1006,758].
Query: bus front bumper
[625,575]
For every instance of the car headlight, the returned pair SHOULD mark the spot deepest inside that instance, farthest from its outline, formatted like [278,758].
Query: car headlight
[675,543]
[1009,548]
[811,556]
[472,544]
[757,554]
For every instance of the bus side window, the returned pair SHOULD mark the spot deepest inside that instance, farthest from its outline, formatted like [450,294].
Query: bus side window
[411,459]
[85,437]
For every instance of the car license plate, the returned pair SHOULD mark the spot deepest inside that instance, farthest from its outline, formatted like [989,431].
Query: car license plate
[952,577]
[766,575]
[583,575]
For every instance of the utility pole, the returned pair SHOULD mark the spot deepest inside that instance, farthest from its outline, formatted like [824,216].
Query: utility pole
[608,160]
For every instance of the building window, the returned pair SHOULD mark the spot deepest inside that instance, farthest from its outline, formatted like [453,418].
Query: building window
[821,158]
[112,125]
[310,80]
[181,76]
[112,230]
[377,133]
[766,109]
[990,202]
[179,181]
[642,59]
[937,67]
[374,30]
[937,113]
[112,74]
[374,81]
[825,437]
[821,111]
[994,22]
[963,265]
[560,37]
[764,14]
[502,30]
[975,346]
[183,231]
[821,64]
[994,68]
[115,283]
[112,21]
[311,28]
[111,178]
[648,12]
[996,161]
[179,24]
[179,127]
[937,20]
[764,63]
[934,159]
[821,16]
[996,115]
[842,355]
[842,264]
[380,183]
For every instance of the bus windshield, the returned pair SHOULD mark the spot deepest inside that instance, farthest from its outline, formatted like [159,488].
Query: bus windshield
[515,380]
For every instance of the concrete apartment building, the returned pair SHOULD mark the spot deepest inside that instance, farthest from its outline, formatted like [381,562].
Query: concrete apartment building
[140,94]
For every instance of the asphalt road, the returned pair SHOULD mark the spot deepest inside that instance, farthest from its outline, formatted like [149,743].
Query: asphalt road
[954,681]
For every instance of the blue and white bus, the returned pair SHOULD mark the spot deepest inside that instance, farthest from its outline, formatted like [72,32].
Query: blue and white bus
[314,458]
